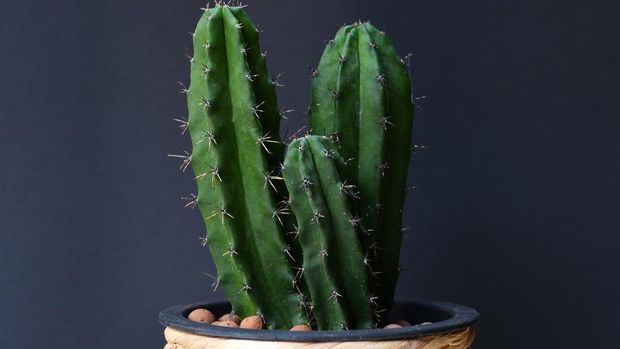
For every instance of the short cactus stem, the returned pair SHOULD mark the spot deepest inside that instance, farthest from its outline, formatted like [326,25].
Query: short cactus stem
[333,261]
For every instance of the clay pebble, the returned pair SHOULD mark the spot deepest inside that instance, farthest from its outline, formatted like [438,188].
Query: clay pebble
[301,328]
[252,322]
[230,317]
[225,323]
[392,326]
[201,315]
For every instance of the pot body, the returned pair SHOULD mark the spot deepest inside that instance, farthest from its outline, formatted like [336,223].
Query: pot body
[461,339]
[437,325]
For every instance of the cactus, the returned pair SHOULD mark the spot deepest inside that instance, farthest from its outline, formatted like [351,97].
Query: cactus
[361,97]
[317,257]
[236,153]
[334,271]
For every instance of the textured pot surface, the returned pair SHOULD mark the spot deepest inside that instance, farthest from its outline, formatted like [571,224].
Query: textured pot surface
[454,340]
[451,326]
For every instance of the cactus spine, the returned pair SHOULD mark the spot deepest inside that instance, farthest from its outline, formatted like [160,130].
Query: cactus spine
[234,123]
[361,97]
[333,261]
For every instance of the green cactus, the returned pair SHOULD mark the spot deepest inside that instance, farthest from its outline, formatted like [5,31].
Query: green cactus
[236,155]
[327,256]
[333,264]
[361,96]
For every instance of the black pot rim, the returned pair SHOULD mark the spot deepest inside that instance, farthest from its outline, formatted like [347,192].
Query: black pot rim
[454,317]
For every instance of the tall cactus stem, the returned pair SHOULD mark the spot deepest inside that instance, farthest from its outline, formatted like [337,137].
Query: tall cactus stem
[245,239]
[361,97]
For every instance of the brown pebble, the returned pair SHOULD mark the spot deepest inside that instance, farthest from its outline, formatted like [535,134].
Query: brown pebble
[403,323]
[201,315]
[230,317]
[302,327]
[392,326]
[252,322]
[225,323]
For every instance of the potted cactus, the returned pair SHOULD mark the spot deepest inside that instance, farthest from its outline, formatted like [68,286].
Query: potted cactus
[304,236]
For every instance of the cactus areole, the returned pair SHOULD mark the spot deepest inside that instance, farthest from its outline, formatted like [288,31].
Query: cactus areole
[310,237]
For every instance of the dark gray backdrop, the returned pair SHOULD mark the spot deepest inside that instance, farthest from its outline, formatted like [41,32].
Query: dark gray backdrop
[517,208]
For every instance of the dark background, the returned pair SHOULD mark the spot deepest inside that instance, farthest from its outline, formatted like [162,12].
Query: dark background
[517,208]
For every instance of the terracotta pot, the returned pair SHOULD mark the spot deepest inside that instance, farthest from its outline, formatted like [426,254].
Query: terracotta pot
[451,327]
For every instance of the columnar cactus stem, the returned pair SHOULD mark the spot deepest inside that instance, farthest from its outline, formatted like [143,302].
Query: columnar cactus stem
[333,261]
[361,97]
[233,123]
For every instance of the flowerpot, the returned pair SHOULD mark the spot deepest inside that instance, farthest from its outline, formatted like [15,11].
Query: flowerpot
[436,325]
